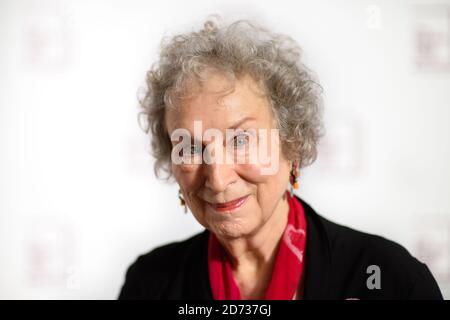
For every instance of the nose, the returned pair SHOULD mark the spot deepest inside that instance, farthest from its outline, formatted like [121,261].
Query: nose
[218,176]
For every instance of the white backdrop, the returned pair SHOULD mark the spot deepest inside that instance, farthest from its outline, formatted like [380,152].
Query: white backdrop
[78,198]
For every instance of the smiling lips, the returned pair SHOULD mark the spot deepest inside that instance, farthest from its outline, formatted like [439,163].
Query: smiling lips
[230,205]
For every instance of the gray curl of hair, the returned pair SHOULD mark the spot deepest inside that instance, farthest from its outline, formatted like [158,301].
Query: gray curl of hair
[272,60]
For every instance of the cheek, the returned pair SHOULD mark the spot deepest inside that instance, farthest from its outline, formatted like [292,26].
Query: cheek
[251,173]
[266,183]
[262,159]
[186,176]
[189,181]
[273,167]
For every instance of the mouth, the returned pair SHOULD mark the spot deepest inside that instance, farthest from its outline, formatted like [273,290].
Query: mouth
[229,206]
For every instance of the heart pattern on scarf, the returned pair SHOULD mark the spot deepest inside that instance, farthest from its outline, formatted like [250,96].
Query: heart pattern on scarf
[293,238]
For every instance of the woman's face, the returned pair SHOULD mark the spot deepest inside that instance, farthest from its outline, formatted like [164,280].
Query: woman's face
[230,198]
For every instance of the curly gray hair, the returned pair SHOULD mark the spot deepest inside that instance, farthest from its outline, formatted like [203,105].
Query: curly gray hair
[272,60]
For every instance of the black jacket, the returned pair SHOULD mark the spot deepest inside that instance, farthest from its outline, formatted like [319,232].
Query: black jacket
[337,260]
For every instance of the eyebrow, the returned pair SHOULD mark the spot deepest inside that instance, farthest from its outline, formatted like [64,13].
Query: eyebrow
[240,122]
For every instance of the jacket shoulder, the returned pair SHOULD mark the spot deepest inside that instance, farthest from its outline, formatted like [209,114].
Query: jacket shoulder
[375,267]
[151,272]
[354,242]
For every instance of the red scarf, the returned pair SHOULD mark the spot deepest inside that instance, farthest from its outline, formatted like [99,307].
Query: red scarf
[287,270]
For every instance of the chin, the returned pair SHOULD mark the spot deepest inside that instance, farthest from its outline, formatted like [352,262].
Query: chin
[231,230]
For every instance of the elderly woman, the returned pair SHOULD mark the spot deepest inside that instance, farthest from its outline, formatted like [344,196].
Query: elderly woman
[234,115]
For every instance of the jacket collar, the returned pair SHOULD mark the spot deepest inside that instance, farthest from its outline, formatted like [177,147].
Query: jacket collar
[318,256]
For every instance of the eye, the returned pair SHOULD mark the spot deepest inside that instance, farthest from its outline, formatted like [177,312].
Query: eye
[195,149]
[240,140]
[191,150]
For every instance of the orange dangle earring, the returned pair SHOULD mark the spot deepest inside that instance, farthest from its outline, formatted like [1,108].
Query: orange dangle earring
[294,178]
